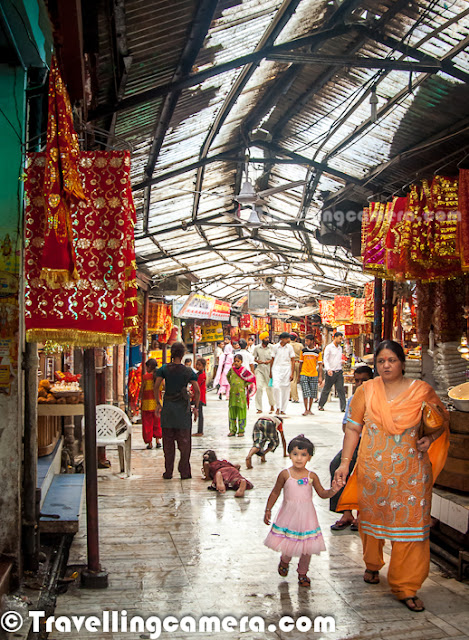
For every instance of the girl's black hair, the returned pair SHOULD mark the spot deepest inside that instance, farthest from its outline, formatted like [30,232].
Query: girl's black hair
[209,456]
[151,364]
[393,346]
[301,443]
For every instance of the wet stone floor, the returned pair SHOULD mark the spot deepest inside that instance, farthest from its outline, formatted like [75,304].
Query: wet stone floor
[173,548]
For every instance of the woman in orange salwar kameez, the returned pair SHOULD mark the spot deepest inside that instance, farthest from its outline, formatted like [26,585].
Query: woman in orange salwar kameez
[396,468]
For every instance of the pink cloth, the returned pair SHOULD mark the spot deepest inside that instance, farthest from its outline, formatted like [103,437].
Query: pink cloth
[296,530]
[248,376]
[224,365]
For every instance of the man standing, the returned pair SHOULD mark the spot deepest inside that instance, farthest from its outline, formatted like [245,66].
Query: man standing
[297,348]
[281,368]
[251,345]
[333,372]
[310,373]
[263,355]
[248,360]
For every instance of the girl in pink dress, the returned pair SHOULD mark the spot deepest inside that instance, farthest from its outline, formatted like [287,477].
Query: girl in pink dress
[296,531]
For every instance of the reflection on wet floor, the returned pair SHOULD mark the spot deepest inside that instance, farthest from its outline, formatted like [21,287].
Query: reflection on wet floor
[174,548]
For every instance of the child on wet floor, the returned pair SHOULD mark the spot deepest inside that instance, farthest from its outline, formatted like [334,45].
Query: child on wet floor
[296,531]
[224,475]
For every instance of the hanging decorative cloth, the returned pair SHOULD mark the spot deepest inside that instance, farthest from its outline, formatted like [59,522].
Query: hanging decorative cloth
[369,301]
[375,225]
[326,311]
[463,201]
[98,308]
[359,311]
[62,186]
[342,309]
[352,330]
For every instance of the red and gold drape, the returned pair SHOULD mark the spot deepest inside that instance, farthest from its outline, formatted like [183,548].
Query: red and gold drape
[62,186]
[99,307]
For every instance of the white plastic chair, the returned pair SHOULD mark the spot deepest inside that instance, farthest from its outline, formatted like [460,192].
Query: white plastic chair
[113,428]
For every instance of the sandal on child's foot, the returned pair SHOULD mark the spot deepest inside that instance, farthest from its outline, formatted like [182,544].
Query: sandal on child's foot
[282,569]
[304,581]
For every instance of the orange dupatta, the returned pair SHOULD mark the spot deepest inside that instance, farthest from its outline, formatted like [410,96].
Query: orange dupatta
[395,417]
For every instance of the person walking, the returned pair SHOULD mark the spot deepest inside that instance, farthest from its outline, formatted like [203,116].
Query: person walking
[310,373]
[176,417]
[263,355]
[281,372]
[396,467]
[297,348]
[334,375]
[224,365]
[246,356]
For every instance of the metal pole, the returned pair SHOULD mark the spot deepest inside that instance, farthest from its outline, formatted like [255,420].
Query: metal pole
[388,310]
[378,309]
[93,576]
[30,508]
[194,342]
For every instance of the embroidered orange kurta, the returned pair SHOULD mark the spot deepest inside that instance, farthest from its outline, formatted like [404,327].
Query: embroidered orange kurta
[392,481]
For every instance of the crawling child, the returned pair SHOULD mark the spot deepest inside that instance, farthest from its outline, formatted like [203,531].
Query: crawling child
[224,475]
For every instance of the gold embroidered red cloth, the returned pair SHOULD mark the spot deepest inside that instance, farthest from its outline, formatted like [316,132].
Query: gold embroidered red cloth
[101,305]
[358,305]
[342,309]
[158,314]
[352,330]
[62,185]
[326,311]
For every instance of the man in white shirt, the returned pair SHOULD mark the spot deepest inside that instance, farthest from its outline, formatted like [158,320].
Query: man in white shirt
[248,360]
[333,374]
[263,355]
[251,346]
[282,369]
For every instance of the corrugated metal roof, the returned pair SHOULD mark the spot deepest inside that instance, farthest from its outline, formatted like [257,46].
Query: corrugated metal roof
[319,111]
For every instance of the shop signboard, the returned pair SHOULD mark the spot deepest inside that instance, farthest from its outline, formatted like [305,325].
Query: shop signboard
[158,355]
[197,306]
[273,306]
[221,311]
[212,331]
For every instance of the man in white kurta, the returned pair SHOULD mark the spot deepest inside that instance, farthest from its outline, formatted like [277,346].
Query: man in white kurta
[282,369]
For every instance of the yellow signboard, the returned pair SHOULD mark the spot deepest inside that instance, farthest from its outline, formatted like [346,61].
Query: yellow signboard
[158,355]
[212,331]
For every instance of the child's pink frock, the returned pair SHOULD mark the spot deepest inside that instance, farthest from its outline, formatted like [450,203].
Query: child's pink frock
[296,530]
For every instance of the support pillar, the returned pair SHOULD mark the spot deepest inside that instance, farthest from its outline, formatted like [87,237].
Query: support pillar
[388,310]
[93,577]
[378,306]
[30,501]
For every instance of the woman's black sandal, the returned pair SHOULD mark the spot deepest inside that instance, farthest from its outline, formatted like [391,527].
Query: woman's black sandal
[415,608]
[374,576]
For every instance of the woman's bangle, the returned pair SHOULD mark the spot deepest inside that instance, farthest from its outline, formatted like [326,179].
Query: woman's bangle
[344,459]
[268,510]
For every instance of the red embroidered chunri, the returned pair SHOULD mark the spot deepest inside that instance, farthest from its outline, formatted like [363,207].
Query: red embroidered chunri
[62,185]
[96,309]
